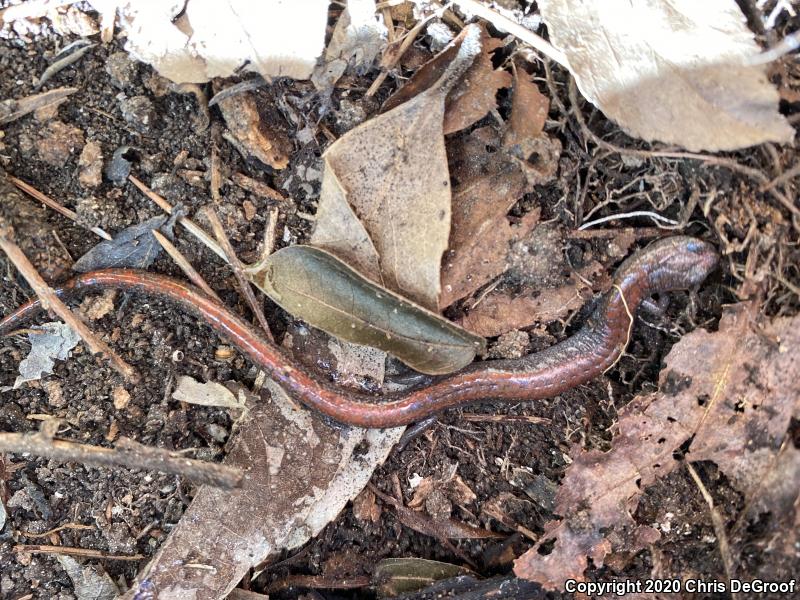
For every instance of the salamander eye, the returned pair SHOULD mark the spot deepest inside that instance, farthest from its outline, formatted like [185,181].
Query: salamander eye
[694,246]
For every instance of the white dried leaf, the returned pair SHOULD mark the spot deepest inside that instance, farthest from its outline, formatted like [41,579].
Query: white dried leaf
[205,394]
[55,342]
[357,38]
[671,71]
[215,39]
[301,472]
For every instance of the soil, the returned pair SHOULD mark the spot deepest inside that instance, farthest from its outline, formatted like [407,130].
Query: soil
[132,512]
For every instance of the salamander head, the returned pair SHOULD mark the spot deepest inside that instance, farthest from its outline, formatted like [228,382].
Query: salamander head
[674,263]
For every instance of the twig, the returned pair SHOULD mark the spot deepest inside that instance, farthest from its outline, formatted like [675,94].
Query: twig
[267,246]
[238,269]
[51,302]
[719,161]
[126,453]
[70,551]
[716,520]
[515,29]
[30,534]
[13,110]
[479,418]
[184,264]
[782,178]
[44,199]
[637,232]
[256,187]
[215,181]
[186,222]
[628,215]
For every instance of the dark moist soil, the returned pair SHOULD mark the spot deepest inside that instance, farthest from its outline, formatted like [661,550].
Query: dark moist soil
[133,512]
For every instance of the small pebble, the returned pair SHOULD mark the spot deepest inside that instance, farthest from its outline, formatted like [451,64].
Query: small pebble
[138,111]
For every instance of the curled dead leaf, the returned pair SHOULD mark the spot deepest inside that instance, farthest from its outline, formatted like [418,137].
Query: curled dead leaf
[670,71]
[387,182]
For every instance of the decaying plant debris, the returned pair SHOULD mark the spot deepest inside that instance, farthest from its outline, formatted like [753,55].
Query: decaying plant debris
[481,170]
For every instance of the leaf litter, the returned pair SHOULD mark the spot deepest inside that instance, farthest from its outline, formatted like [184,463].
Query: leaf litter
[766,500]
[133,247]
[471,98]
[385,202]
[317,287]
[675,71]
[301,472]
[493,169]
[727,397]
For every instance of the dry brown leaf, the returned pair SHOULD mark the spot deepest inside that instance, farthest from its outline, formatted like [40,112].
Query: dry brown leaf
[529,109]
[301,472]
[366,507]
[670,71]
[491,172]
[258,137]
[731,394]
[472,97]
[500,312]
[553,288]
[388,184]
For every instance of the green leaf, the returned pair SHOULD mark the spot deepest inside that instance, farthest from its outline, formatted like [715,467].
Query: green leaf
[317,287]
[394,576]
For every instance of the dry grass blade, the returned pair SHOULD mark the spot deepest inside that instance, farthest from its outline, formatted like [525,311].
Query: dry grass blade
[238,270]
[190,225]
[717,522]
[46,200]
[184,264]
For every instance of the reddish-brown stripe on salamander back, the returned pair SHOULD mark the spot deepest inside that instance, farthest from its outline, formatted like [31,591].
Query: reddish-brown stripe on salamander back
[670,264]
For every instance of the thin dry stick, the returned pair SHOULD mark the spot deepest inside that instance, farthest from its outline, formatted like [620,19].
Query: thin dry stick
[46,200]
[479,418]
[50,532]
[637,232]
[268,245]
[186,222]
[82,552]
[127,453]
[716,520]
[719,161]
[216,176]
[515,29]
[51,302]
[238,270]
[184,264]
[782,178]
